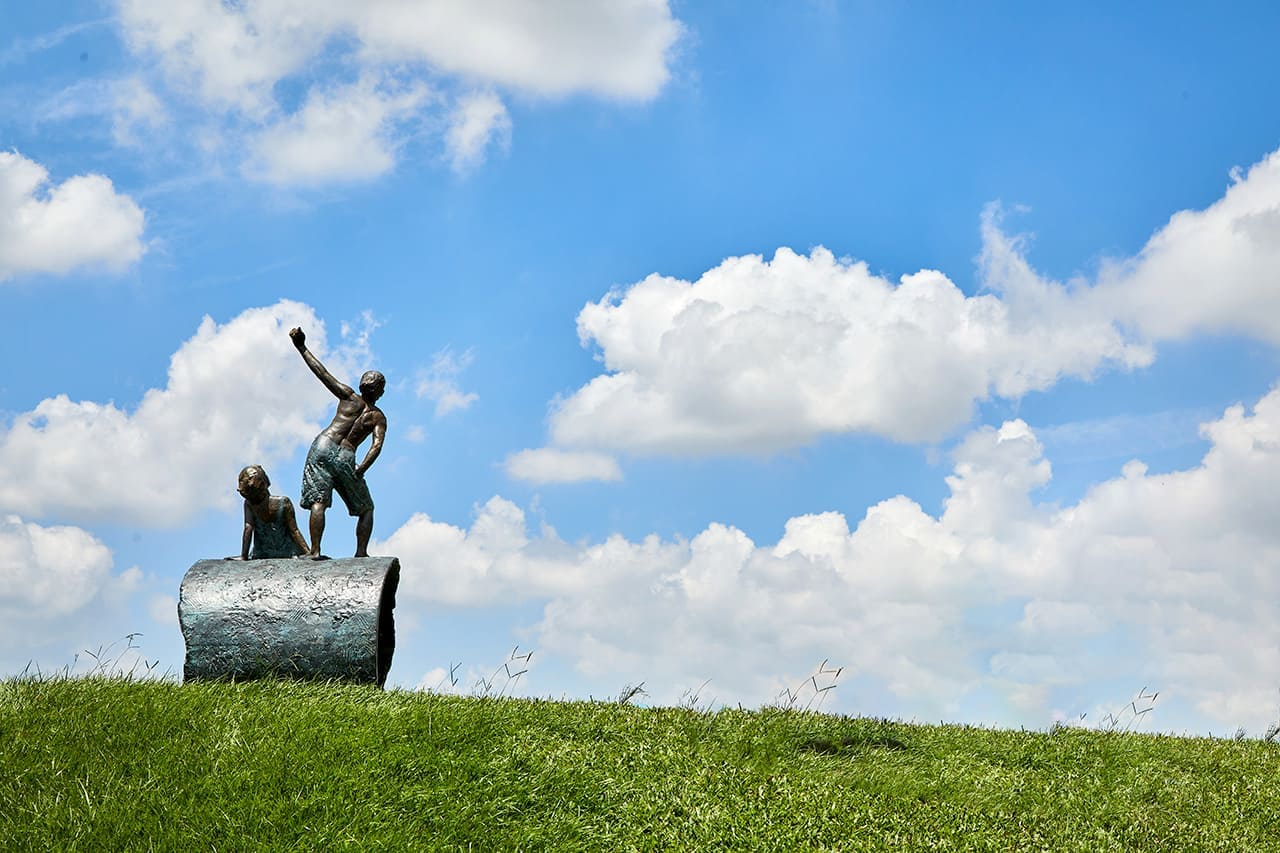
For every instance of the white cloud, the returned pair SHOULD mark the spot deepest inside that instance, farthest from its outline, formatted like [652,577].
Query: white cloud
[551,465]
[716,606]
[1001,602]
[81,222]
[757,355]
[235,53]
[59,597]
[238,58]
[48,571]
[618,49]
[1211,271]
[477,120]
[231,55]
[438,383]
[343,134]
[237,394]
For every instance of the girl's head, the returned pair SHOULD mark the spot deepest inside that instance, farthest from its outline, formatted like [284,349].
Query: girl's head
[253,483]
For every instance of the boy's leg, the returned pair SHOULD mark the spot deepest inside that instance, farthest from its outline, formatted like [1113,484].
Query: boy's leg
[317,528]
[364,527]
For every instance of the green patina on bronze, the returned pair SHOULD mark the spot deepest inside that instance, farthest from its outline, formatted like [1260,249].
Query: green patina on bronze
[290,618]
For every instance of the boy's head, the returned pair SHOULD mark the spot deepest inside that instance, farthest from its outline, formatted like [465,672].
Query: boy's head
[253,483]
[372,384]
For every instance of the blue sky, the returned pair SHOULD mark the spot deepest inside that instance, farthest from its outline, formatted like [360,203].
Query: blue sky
[721,339]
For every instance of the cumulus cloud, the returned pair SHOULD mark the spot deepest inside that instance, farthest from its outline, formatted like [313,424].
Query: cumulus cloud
[49,571]
[237,393]
[614,49]
[1001,602]
[234,58]
[758,355]
[1210,271]
[478,119]
[552,465]
[343,134]
[81,222]
[58,594]
[230,55]
[235,53]
[439,382]
[1213,271]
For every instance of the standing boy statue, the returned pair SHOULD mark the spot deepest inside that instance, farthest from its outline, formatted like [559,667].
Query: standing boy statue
[331,461]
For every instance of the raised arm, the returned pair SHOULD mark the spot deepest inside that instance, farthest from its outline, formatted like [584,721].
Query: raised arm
[342,392]
[375,447]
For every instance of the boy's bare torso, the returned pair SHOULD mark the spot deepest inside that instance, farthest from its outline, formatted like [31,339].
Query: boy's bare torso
[353,422]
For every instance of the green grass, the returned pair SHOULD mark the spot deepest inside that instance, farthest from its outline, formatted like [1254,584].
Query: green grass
[112,764]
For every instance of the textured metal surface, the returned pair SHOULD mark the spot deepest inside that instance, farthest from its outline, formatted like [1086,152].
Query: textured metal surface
[289,618]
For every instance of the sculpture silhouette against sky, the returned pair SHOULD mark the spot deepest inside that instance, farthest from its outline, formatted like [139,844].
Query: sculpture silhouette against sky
[331,460]
[274,617]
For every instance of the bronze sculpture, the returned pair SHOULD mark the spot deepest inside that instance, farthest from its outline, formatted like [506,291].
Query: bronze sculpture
[269,521]
[268,615]
[331,460]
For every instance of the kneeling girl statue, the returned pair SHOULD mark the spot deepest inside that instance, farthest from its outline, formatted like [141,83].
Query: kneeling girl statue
[331,461]
[270,526]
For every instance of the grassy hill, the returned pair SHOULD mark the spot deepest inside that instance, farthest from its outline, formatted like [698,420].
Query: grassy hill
[111,764]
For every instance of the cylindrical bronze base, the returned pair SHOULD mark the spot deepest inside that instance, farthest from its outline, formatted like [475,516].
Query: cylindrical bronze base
[290,618]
